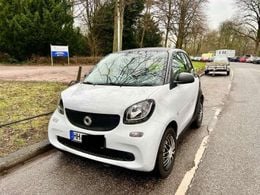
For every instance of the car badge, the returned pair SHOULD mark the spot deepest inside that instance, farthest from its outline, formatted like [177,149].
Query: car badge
[87,121]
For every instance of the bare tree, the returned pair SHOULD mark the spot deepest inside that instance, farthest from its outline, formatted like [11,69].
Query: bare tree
[84,10]
[203,41]
[227,36]
[250,10]
[188,14]
[178,17]
[164,10]
[148,5]
[194,40]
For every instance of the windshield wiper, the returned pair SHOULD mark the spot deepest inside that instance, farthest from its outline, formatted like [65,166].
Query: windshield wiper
[144,85]
[117,84]
[90,83]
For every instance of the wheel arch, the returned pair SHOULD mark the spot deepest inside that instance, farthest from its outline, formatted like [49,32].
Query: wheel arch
[173,124]
[201,98]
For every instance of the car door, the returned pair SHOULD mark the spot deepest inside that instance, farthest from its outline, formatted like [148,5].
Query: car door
[186,93]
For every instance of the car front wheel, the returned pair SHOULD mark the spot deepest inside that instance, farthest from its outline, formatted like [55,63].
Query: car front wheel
[166,154]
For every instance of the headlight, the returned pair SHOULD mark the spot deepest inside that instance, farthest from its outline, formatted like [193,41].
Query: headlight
[139,112]
[60,106]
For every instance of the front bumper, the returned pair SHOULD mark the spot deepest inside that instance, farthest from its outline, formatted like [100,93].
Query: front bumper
[144,149]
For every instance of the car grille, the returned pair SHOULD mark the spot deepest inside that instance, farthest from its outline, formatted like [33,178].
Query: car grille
[99,122]
[97,151]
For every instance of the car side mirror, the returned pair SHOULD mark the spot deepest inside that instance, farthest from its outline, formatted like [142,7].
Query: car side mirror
[184,78]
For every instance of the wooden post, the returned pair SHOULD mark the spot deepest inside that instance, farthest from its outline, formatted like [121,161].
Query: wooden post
[79,74]
[68,56]
[51,56]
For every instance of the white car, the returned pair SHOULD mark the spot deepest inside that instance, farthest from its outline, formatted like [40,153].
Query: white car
[130,110]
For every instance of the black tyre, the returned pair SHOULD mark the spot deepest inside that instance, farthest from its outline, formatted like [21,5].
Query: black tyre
[166,154]
[228,72]
[198,116]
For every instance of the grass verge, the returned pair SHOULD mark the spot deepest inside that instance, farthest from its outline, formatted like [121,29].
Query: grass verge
[19,100]
[199,66]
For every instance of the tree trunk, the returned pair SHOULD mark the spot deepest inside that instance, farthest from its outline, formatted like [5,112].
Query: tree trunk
[118,25]
[169,18]
[166,37]
[122,12]
[256,50]
[181,29]
[92,44]
[142,37]
[148,5]
[115,39]
[180,37]
[257,41]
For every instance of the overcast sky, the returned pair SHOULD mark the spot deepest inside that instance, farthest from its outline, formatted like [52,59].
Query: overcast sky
[218,11]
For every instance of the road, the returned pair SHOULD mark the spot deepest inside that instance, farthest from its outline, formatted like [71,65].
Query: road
[58,173]
[231,164]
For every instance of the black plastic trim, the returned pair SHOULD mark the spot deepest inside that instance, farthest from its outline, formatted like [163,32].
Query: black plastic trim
[100,152]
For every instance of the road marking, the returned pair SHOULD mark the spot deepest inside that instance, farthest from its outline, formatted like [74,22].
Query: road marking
[230,85]
[214,120]
[186,181]
[188,177]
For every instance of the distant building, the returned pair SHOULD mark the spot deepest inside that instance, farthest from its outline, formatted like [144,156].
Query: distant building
[226,53]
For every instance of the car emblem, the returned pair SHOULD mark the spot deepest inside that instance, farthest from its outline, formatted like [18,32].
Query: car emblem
[87,121]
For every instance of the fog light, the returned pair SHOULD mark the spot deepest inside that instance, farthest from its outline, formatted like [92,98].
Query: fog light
[136,134]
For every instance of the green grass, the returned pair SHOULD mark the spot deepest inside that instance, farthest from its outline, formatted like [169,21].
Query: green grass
[199,66]
[19,100]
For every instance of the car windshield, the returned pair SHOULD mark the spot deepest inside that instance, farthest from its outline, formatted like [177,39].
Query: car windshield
[136,68]
[221,59]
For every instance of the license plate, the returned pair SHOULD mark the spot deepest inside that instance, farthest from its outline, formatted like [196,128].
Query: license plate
[76,136]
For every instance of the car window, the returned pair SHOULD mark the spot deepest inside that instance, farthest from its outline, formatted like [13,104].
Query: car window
[187,60]
[179,64]
[221,59]
[136,68]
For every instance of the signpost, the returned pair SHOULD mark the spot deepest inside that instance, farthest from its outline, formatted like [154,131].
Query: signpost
[59,51]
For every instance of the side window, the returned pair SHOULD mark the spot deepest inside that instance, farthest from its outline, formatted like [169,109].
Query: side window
[186,61]
[179,64]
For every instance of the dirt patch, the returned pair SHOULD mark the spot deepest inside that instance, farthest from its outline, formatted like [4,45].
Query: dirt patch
[41,73]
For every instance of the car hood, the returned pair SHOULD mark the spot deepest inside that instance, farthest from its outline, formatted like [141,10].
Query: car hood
[103,98]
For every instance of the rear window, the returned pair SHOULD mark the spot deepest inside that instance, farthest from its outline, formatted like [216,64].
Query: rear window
[221,59]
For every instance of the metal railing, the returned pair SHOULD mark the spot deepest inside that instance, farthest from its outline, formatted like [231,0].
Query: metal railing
[44,114]
[25,119]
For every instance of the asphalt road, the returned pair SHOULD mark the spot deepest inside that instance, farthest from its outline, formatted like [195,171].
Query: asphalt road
[58,173]
[231,164]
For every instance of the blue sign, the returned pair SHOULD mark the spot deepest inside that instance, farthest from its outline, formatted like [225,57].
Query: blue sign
[59,51]
[59,54]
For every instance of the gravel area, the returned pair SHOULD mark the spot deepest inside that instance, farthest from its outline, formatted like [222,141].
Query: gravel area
[41,73]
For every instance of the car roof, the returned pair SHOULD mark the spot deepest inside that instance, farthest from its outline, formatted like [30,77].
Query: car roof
[154,49]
